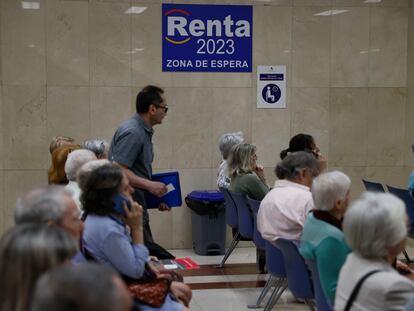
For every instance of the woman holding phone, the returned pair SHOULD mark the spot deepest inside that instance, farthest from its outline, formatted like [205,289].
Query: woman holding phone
[113,229]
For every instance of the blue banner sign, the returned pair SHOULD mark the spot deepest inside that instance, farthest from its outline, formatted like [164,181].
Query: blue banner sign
[207,38]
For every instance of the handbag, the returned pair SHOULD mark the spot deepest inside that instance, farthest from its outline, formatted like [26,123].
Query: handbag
[150,292]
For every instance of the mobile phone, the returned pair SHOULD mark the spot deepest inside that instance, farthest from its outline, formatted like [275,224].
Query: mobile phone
[117,199]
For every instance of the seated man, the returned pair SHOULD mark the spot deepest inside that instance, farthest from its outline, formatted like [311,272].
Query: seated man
[283,210]
[81,288]
[322,234]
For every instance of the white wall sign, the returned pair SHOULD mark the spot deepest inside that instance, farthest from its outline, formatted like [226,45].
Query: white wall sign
[271,86]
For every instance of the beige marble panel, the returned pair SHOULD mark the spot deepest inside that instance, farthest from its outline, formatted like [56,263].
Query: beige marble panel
[231,113]
[271,132]
[383,3]
[312,2]
[22,43]
[114,1]
[273,2]
[348,127]
[162,227]
[396,176]
[270,174]
[109,107]
[350,48]
[191,179]
[190,127]
[271,23]
[68,112]
[146,41]
[110,44]
[18,182]
[311,44]
[24,127]
[310,115]
[409,128]
[2,129]
[410,48]
[212,79]
[355,173]
[212,1]
[67,43]
[385,126]
[388,40]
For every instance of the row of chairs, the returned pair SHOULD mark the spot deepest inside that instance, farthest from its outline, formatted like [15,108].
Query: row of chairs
[286,267]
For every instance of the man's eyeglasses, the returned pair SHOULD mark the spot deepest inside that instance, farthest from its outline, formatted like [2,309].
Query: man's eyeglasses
[162,107]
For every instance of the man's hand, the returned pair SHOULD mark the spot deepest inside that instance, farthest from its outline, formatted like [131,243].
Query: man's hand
[157,188]
[163,207]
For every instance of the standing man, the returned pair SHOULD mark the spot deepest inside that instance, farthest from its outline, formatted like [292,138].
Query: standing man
[131,147]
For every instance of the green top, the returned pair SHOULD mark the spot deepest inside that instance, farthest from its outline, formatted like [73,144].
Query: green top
[325,244]
[249,184]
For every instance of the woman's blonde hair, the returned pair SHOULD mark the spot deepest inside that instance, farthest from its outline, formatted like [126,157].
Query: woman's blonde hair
[240,159]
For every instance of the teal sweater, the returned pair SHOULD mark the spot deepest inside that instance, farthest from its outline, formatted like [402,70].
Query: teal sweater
[249,184]
[325,244]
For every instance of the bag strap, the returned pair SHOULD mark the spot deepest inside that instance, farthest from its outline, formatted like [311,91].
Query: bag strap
[357,287]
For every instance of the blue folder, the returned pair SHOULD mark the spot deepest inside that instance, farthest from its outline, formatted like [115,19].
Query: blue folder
[173,198]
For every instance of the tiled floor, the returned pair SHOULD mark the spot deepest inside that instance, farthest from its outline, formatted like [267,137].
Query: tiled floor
[231,288]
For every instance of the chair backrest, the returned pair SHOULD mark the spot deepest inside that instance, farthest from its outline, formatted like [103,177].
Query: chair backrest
[231,210]
[244,215]
[299,281]
[257,237]
[275,262]
[322,303]
[373,186]
[404,195]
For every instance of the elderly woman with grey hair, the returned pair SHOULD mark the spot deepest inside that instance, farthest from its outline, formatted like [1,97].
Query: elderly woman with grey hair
[226,143]
[98,146]
[283,210]
[322,233]
[76,159]
[375,228]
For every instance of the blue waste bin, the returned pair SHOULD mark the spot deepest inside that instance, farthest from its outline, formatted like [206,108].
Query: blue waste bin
[208,220]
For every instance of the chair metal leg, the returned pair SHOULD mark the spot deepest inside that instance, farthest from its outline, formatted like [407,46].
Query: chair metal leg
[280,287]
[409,260]
[311,304]
[269,283]
[233,245]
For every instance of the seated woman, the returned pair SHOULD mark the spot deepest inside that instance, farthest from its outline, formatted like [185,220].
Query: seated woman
[245,178]
[226,143]
[375,228]
[304,142]
[115,237]
[283,211]
[26,252]
[322,233]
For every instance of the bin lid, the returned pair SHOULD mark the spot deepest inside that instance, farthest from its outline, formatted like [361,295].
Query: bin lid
[206,195]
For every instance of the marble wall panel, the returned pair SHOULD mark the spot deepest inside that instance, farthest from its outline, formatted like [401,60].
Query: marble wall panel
[110,44]
[24,127]
[348,126]
[68,112]
[311,43]
[231,113]
[396,176]
[385,126]
[410,48]
[380,3]
[409,128]
[16,183]
[1,136]
[310,114]
[350,48]
[1,200]
[271,23]
[191,132]
[273,2]
[67,43]
[109,107]
[312,2]
[388,41]
[22,44]
[271,132]
[161,227]
[146,42]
